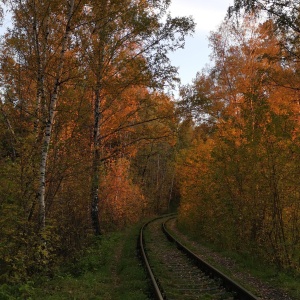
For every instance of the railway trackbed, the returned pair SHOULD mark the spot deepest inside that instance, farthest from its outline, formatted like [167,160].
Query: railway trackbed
[177,273]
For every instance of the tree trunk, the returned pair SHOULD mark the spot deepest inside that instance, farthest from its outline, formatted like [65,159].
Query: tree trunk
[49,122]
[12,138]
[96,163]
[101,31]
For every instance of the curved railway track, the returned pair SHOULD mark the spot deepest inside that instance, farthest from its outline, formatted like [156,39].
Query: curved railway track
[177,273]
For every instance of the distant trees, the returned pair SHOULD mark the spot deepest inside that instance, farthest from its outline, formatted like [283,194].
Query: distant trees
[240,179]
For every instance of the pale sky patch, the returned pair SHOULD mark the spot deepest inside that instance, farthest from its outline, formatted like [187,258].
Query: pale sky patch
[208,15]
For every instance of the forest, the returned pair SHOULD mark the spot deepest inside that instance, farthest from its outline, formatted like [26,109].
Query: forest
[92,139]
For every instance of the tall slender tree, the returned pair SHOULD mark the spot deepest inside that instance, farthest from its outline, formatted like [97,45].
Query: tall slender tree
[48,27]
[129,46]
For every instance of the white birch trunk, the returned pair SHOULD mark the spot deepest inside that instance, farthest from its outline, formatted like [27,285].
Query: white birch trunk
[40,52]
[97,120]
[49,123]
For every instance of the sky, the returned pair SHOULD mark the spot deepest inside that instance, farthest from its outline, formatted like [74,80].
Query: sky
[207,14]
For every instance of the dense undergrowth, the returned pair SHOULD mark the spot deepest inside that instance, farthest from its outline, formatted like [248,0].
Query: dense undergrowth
[108,269]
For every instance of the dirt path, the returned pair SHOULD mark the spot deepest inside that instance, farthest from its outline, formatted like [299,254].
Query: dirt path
[117,258]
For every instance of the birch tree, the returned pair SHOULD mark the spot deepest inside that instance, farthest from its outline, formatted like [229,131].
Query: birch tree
[51,112]
[129,46]
[285,13]
[41,36]
[111,47]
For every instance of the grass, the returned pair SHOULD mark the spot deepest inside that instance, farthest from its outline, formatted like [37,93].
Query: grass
[269,274]
[287,281]
[109,270]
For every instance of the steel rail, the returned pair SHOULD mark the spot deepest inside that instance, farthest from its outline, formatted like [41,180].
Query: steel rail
[211,271]
[157,292]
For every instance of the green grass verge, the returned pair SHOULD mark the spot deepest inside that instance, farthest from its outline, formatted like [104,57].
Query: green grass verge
[269,274]
[109,270]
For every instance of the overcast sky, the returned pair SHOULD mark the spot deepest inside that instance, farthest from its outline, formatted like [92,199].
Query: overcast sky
[207,14]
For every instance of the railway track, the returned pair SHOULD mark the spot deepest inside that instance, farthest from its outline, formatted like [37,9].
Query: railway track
[177,273]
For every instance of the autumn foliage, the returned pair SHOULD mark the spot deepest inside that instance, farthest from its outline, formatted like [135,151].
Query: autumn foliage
[239,180]
[82,100]
[90,141]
